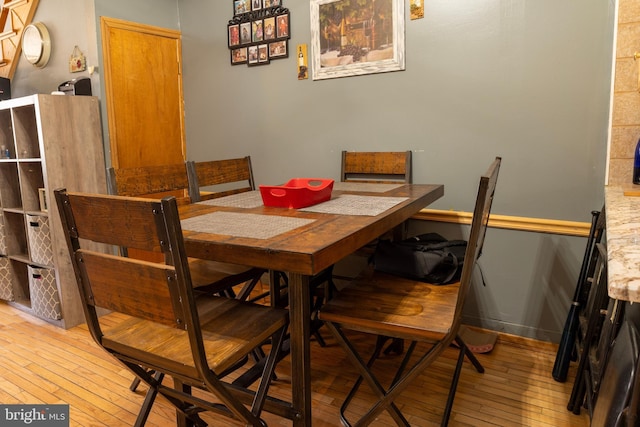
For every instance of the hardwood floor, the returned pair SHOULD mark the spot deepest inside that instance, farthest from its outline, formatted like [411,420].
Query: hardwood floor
[43,364]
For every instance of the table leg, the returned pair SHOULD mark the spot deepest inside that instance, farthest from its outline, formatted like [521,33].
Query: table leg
[300,315]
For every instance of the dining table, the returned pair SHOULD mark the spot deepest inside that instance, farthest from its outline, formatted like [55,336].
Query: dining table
[302,242]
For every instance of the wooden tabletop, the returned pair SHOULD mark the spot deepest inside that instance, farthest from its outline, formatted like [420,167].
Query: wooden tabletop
[312,247]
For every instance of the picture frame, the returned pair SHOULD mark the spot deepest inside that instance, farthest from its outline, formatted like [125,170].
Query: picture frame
[252,55]
[278,49]
[241,6]
[256,5]
[371,40]
[257,33]
[263,53]
[233,32]
[239,56]
[282,26]
[269,26]
[270,3]
[245,33]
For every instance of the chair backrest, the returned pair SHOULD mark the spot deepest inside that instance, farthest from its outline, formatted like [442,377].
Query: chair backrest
[151,181]
[159,292]
[218,178]
[381,166]
[479,221]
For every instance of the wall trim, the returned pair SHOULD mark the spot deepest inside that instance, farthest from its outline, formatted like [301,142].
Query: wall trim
[538,225]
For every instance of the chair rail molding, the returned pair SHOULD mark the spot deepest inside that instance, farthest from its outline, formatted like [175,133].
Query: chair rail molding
[538,225]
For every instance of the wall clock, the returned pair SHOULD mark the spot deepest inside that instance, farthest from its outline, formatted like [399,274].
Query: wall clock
[36,44]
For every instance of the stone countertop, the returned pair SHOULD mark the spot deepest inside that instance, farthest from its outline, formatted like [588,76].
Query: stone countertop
[623,244]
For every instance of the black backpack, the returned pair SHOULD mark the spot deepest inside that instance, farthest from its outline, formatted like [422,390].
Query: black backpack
[428,258]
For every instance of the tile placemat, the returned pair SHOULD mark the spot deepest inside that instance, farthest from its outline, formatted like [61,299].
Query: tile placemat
[246,200]
[236,224]
[368,187]
[351,204]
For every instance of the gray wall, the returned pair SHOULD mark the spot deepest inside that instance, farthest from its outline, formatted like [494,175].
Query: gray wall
[525,80]
[70,23]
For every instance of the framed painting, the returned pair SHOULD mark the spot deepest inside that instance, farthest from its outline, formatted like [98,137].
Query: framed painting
[356,37]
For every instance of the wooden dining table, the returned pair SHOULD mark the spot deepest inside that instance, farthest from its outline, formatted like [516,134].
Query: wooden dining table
[301,242]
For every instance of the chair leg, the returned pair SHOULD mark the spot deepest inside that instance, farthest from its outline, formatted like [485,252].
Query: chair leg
[267,375]
[456,376]
[401,380]
[366,374]
[472,357]
[145,409]
[134,384]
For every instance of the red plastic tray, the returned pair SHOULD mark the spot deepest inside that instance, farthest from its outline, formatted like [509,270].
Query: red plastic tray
[297,193]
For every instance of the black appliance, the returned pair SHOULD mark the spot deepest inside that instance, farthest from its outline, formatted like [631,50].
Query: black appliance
[76,87]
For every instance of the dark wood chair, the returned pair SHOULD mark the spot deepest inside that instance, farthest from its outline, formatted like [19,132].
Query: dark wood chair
[208,276]
[391,306]
[376,166]
[218,178]
[159,181]
[164,326]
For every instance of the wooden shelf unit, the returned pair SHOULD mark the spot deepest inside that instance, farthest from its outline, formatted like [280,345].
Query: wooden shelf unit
[54,141]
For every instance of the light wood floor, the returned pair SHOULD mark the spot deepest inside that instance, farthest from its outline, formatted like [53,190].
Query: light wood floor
[43,364]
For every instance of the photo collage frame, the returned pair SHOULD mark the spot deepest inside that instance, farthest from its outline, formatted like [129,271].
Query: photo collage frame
[259,32]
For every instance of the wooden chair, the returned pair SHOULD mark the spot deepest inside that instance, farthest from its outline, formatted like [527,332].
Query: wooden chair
[159,181]
[164,326]
[380,166]
[219,178]
[208,276]
[390,306]
[150,181]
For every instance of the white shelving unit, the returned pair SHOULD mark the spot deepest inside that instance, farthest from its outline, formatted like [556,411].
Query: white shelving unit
[54,141]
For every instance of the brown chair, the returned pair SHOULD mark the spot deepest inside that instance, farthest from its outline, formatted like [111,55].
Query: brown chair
[388,167]
[164,326]
[159,181]
[219,178]
[391,306]
[150,181]
[379,166]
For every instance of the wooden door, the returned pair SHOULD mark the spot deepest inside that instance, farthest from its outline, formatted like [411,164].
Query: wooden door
[143,81]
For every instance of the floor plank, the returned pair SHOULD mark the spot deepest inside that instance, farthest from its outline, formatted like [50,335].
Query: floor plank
[45,364]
